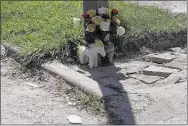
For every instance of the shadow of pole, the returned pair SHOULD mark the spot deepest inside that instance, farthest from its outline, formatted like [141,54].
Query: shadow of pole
[117,107]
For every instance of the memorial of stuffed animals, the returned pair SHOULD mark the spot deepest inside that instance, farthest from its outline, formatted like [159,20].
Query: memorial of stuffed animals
[100,26]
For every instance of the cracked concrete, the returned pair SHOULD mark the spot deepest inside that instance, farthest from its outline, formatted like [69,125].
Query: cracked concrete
[162,101]
[146,96]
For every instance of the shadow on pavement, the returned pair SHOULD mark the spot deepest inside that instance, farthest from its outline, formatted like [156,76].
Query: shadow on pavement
[117,107]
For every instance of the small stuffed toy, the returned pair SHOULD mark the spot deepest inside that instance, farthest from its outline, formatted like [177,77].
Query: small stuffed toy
[92,53]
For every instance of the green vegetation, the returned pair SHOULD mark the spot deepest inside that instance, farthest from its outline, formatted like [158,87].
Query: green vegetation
[146,26]
[93,103]
[142,18]
[43,26]
[35,25]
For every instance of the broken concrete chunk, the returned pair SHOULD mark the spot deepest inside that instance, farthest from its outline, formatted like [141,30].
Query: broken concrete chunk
[159,71]
[145,78]
[162,58]
[172,79]
[177,65]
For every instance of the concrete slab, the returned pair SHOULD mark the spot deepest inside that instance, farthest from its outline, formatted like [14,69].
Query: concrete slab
[86,84]
[176,65]
[126,85]
[162,58]
[145,78]
[131,84]
[133,67]
[172,6]
[159,71]
[132,64]
[172,79]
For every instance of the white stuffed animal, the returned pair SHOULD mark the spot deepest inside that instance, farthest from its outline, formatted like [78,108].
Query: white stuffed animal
[92,53]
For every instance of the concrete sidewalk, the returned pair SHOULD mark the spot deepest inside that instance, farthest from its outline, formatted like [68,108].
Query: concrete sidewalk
[173,6]
[136,87]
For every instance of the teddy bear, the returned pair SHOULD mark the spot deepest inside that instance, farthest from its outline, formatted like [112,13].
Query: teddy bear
[91,53]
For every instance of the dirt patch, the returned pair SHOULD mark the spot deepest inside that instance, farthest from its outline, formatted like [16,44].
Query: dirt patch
[36,97]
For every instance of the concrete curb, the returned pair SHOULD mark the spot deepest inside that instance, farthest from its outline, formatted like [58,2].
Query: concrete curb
[68,74]
[84,83]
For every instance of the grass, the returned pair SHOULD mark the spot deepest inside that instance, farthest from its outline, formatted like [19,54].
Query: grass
[145,25]
[92,102]
[35,25]
[47,25]
[151,18]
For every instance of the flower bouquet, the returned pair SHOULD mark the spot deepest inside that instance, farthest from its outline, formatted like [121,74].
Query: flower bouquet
[102,19]
[101,24]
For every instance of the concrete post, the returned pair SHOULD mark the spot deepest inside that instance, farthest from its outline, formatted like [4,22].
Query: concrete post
[94,4]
